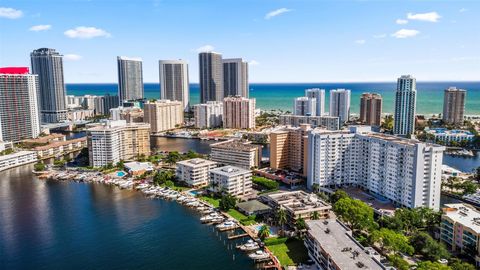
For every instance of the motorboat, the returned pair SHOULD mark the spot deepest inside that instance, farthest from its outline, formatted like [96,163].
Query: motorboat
[249,246]
[227,225]
[259,255]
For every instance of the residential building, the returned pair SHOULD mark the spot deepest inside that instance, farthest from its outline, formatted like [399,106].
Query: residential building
[19,115]
[319,96]
[80,115]
[305,106]
[405,171]
[340,104]
[236,153]
[297,204]
[174,82]
[371,109]
[130,78]
[113,141]
[239,113]
[138,168]
[288,148]
[110,102]
[460,229]
[195,172]
[331,246]
[450,136]
[60,148]
[327,122]
[208,115]
[211,77]
[48,65]
[454,105]
[231,180]
[235,77]
[129,114]
[17,159]
[405,106]
[163,115]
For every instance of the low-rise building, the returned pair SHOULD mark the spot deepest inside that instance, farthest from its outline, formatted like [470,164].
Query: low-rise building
[236,153]
[298,204]
[450,136]
[17,159]
[195,172]
[138,168]
[80,115]
[231,180]
[331,246]
[60,148]
[460,229]
[327,122]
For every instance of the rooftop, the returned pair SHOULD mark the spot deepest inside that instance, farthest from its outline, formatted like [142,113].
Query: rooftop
[14,70]
[252,206]
[59,143]
[449,132]
[229,171]
[138,166]
[344,250]
[45,139]
[464,214]
[297,201]
[196,161]
[235,145]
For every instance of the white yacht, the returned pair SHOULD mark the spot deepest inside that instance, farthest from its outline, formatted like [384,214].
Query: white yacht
[249,246]
[259,255]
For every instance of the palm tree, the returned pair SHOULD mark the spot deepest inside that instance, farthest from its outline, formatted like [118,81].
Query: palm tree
[300,225]
[264,232]
[316,188]
[281,217]
[314,215]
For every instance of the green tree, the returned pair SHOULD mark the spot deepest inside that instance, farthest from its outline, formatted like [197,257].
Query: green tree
[169,184]
[120,165]
[172,158]
[300,224]
[314,215]
[457,264]
[337,195]
[59,163]
[162,177]
[281,217]
[39,166]
[428,265]
[391,241]
[426,246]
[191,154]
[398,262]
[355,213]
[315,187]
[227,202]
[264,232]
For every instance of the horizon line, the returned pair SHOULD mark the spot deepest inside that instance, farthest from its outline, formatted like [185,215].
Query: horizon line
[428,81]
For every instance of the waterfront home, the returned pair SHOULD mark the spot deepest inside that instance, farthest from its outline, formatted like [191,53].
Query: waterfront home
[17,159]
[138,168]
[450,136]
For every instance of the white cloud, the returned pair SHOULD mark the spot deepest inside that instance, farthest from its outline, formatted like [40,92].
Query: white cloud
[205,48]
[463,10]
[10,13]
[84,32]
[426,17]
[401,21]
[360,41]
[276,12]
[405,33]
[253,63]
[72,57]
[380,36]
[40,27]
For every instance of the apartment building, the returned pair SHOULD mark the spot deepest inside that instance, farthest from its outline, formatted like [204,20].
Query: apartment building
[236,153]
[231,180]
[163,115]
[208,115]
[239,113]
[288,148]
[195,172]
[327,122]
[17,159]
[405,171]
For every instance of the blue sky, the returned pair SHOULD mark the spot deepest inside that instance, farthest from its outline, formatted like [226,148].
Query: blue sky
[285,41]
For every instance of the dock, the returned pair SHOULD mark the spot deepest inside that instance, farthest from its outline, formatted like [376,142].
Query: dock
[231,237]
[228,228]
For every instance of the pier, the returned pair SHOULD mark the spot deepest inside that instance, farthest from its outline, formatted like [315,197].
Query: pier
[231,237]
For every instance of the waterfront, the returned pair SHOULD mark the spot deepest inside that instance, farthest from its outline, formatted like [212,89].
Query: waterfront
[280,95]
[68,225]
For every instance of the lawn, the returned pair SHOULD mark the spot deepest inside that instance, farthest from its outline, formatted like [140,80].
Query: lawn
[289,251]
[236,215]
[210,200]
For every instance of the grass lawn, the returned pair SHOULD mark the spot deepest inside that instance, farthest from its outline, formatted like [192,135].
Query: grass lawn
[210,200]
[236,215]
[288,251]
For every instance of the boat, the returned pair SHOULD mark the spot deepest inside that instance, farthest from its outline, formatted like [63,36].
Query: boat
[249,246]
[227,225]
[259,255]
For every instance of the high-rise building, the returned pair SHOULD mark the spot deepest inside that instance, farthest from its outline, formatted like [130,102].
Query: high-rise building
[371,109]
[405,106]
[405,171]
[130,78]
[19,115]
[174,83]
[328,122]
[129,114]
[454,105]
[319,95]
[110,102]
[208,115]
[48,65]
[113,141]
[340,104]
[235,77]
[305,106]
[211,76]
[163,115]
[288,148]
[239,113]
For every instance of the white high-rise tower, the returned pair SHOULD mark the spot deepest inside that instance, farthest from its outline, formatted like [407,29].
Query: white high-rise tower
[405,106]
[340,104]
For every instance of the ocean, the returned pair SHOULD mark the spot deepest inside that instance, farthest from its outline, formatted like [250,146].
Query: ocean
[280,95]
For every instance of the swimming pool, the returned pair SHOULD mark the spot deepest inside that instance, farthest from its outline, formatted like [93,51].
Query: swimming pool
[121,174]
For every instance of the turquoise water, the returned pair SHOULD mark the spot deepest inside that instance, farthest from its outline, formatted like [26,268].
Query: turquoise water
[280,96]
[120,174]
